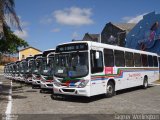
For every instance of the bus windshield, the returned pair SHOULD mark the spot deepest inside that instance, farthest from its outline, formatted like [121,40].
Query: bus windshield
[38,66]
[23,67]
[47,68]
[71,65]
[32,66]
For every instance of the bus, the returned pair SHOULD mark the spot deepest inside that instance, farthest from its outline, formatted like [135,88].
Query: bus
[47,70]
[22,70]
[86,68]
[7,71]
[29,70]
[36,65]
[17,76]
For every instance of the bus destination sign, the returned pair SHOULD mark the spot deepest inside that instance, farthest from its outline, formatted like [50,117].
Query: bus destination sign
[72,47]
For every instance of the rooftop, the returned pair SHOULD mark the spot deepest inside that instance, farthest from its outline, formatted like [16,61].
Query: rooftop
[30,47]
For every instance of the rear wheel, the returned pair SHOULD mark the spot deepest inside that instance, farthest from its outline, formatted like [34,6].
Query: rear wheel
[110,90]
[145,82]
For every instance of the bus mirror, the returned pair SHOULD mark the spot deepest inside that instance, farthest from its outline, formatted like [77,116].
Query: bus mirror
[97,55]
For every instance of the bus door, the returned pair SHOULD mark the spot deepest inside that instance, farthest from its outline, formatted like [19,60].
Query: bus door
[97,70]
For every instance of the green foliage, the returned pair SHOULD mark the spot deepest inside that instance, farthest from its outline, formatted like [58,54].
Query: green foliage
[11,43]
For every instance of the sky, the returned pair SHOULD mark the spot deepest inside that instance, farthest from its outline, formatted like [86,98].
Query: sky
[47,23]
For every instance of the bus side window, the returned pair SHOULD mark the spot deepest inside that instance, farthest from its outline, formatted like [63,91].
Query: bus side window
[137,60]
[119,58]
[144,60]
[96,64]
[108,57]
[155,61]
[129,59]
[150,60]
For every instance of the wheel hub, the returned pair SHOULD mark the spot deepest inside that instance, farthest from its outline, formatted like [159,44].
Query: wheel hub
[109,89]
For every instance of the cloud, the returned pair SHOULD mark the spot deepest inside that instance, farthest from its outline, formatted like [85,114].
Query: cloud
[75,35]
[22,34]
[56,30]
[134,19]
[46,19]
[74,16]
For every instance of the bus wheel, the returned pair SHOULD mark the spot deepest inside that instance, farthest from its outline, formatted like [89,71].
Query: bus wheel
[53,97]
[41,91]
[33,86]
[110,90]
[145,83]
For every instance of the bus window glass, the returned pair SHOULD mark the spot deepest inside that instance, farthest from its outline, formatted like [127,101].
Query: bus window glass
[137,60]
[129,59]
[108,57]
[144,60]
[155,61]
[96,64]
[119,58]
[71,65]
[150,60]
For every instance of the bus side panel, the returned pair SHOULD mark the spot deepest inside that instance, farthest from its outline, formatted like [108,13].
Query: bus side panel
[156,75]
[97,86]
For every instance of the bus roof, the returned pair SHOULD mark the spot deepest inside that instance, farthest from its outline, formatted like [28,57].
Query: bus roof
[46,52]
[37,56]
[28,58]
[103,45]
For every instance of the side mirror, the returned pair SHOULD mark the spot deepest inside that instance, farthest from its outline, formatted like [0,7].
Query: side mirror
[97,55]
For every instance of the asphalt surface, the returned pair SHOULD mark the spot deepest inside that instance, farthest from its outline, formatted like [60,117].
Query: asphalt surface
[28,103]
[4,92]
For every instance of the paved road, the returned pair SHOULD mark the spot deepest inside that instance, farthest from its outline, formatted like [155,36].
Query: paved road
[4,93]
[132,101]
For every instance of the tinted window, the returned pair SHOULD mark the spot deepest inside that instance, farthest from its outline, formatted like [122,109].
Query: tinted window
[155,61]
[96,63]
[108,57]
[150,60]
[137,60]
[129,59]
[119,58]
[144,60]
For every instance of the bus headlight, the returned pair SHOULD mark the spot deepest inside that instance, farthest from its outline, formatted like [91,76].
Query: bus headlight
[83,83]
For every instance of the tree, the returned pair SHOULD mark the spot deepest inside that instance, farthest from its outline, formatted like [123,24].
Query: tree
[12,43]
[8,14]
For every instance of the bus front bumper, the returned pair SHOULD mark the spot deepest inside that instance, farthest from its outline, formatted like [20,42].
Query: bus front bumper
[28,80]
[46,85]
[71,91]
[36,82]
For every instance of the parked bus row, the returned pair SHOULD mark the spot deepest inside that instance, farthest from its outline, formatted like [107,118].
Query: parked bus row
[85,68]
[37,70]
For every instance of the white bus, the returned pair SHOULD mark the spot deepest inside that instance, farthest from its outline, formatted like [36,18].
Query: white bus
[86,68]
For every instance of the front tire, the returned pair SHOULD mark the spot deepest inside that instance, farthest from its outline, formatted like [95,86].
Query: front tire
[53,96]
[41,91]
[33,87]
[110,89]
[145,83]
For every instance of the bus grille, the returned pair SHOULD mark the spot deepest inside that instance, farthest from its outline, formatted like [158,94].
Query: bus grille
[68,90]
[50,85]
